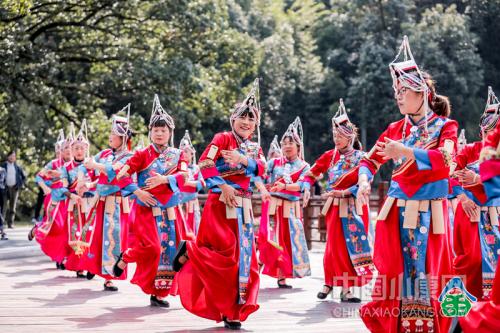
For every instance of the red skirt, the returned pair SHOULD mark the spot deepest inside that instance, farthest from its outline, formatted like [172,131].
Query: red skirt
[382,315]
[131,219]
[208,282]
[185,232]
[146,251]
[92,261]
[55,243]
[467,246]
[277,262]
[337,264]
[190,218]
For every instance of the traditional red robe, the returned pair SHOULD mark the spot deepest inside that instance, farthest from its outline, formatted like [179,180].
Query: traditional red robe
[51,233]
[209,283]
[342,174]
[79,220]
[147,248]
[484,317]
[466,240]
[398,249]
[279,257]
[113,236]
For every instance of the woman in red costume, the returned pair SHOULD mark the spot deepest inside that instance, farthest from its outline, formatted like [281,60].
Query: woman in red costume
[476,236]
[190,206]
[283,247]
[51,233]
[161,169]
[79,188]
[484,317]
[111,219]
[411,251]
[348,261]
[220,280]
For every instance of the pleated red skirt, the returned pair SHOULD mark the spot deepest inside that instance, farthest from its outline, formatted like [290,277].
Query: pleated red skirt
[55,243]
[146,252]
[208,282]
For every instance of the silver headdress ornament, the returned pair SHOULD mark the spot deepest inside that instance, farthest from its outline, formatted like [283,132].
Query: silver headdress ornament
[82,137]
[295,132]
[462,140]
[251,104]
[410,76]
[60,141]
[491,113]
[342,124]
[121,125]
[274,148]
[186,144]
[71,135]
[157,114]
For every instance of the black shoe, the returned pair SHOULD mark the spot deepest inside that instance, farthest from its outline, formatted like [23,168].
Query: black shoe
[322,295]
[108,286]
[80,275]
[232,325]
[117,271]
[10,226]
[4,237]
[61,266]
[90,276]
[345,299]
[154,301]
[283,285]
[31,234]
[58,265]
[181,251]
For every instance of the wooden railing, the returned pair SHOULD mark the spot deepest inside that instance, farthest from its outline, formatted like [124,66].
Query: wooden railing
[314,223]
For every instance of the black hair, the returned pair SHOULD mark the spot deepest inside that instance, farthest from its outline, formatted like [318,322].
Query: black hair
[160,123]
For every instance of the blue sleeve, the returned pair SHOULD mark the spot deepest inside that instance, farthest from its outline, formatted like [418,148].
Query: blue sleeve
[422,158]
[215,181]
[303,184]
[365,171]
[129,189]
[251,168]
[110,172]
[64,174]
[456,190]
[172,182]
[354,190]
[199,186]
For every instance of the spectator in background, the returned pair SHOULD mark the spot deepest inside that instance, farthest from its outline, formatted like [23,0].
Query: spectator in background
[14,181]
[3,173]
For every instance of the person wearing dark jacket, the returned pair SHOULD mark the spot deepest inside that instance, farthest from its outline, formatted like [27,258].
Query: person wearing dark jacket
[14,181]
[3,235]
